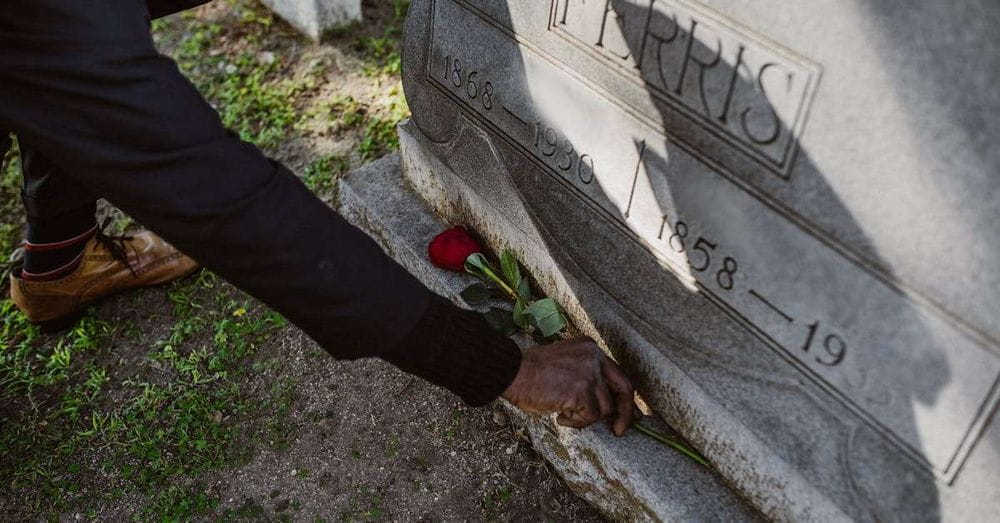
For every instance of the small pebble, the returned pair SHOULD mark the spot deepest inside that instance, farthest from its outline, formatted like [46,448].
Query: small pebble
[266,57]
[230,69]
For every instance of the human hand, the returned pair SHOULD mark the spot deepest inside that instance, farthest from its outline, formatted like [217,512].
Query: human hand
[577,380]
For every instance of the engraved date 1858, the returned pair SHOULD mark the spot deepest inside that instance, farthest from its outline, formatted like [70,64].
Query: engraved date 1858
[828,348]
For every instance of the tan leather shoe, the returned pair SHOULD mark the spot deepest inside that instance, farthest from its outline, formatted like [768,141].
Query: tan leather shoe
[109,265]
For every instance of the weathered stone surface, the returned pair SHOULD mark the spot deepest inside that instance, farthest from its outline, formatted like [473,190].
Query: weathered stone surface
[314,17]
[631,478]
[780,217]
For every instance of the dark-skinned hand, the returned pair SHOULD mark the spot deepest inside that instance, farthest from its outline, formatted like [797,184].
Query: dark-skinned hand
[577,380]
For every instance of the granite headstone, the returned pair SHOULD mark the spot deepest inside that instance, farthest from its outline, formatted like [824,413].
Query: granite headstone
[779,216]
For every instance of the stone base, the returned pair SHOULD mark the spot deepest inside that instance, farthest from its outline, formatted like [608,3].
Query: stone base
[749,463]
[631,478]
[315,17]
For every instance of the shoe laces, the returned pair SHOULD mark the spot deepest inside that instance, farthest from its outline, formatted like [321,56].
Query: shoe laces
[115,244]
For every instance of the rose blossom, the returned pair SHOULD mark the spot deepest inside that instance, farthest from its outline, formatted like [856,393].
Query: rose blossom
[450,249]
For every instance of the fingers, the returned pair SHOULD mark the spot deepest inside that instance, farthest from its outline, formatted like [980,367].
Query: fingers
[619,383]
[605,404]
[576,379]
[586,411]
[572,420]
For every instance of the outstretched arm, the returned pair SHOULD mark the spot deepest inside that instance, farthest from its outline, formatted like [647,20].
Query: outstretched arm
[83,84]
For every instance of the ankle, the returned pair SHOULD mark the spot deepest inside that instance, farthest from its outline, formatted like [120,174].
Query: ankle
[54,260]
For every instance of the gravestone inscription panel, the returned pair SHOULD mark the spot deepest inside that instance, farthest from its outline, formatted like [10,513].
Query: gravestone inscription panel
[794,203]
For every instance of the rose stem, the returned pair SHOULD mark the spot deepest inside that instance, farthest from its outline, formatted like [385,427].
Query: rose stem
[671,443]
[510,292]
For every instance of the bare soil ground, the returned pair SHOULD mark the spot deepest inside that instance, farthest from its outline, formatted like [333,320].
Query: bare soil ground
[193,401]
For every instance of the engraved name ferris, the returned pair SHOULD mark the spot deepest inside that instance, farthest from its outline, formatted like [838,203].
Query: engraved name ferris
[748,91]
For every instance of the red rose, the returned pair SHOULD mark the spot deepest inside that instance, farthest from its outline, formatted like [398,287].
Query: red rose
[449,249]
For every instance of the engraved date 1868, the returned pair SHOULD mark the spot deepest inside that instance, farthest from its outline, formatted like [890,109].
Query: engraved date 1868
[468,82]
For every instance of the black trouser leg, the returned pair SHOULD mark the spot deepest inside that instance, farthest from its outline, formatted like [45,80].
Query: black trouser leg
[56,206]
[83,84]
[53,202]
[158,8]
[48,196]
[59,213]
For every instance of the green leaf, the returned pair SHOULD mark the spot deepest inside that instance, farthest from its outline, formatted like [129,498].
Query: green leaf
[477,265]
[476,294]
[524,290]
[511,269]
[500,320]
[519,317]
[545,315]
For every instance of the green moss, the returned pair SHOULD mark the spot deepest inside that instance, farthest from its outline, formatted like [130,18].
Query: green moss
[179,504]
[380,134]
[10,199]
[494,502]
[382,53]
[321,176]
[364,505]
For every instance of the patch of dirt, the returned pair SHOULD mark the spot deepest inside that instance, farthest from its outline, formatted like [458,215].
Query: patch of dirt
[360,440]
[368,442]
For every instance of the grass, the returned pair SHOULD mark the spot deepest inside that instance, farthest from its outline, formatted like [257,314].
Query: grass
[266,103]
[322,174]
[382,52]
[364,505]
[384,58]
[380,131]
[10,196]
[250,89]
[151,429]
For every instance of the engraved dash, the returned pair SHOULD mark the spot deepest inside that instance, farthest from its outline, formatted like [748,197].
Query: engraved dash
[774,308]
[515,116]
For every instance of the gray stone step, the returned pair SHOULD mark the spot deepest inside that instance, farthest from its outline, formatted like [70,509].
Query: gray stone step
[630,478]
